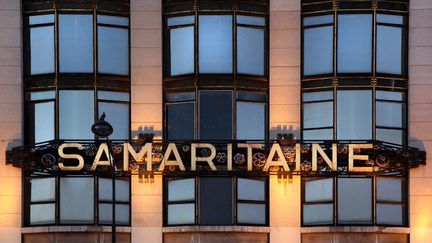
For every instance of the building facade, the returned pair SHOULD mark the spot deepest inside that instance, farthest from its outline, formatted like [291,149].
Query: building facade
[234,121]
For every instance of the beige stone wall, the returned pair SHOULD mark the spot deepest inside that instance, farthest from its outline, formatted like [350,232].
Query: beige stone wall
[284,112]
[10,118]
[146,66]
[420,117]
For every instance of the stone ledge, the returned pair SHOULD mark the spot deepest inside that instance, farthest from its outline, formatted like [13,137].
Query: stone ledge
[356,229]
[183,229]
[57,229]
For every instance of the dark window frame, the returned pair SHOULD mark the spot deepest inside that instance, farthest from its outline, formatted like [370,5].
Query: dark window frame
[374,201]
[235,200]
[57,222]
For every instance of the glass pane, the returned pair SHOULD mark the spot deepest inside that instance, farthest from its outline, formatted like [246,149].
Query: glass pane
[248,213]
[42,189]
[182,45]
[113,50]
[389,114]
[118,116]
[317,134]
[390,135]
[42,50]
[317,96]
[41,19]
[389,214]
[324,19]
[181,20]
[44,121]
[105,190]
[249,189]
[215,201]
[181,214]
[390,19]
[354,114]
[318,50]
[181,121]
[115,20]
[121,213]
[355,200]
[250,20]
[318,214]
[215,115]
[76,114]
[181,190]
[76,43]
[389,50]
[215,44]
[250,120]
[250,51]
[389,189]
[319,190]
[116,96]
[354,43]
[318,115]
[42,214]
[42,95]
[76,200]
[390,95]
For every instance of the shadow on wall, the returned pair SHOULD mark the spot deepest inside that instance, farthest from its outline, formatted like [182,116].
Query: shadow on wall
[284,129]
[416,143]
[146,130]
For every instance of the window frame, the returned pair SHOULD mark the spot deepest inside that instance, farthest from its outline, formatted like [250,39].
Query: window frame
[234,202]
[57,221]
[374,202]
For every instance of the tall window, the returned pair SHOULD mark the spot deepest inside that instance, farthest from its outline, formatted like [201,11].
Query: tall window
[354,86]
[216,64]
[76,67]
[215,88]
[354,76]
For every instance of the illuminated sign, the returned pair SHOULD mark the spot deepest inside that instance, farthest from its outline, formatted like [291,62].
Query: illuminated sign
[275,158]
[136,157]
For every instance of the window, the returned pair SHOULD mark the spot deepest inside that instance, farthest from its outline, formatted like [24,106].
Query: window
[354,73]
[212,203]
[216,49]
[318,201]
[250,45]
[355,201]
[250,117]
[76,43]
[215,44]
[317,115]
[318,45]
[354,54]
[41,44]
[122,199]
[90,76]
[76,114]
[113,45]
[182,45]
[75,201]
[41,106]
[215,120]
[390,44]
[76,67]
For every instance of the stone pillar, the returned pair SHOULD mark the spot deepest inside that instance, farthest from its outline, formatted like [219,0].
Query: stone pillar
[10,118]
[146,89]
[285,55]
[420,117]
